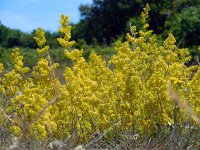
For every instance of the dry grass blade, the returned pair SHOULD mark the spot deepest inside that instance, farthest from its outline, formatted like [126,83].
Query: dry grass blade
[56,89]
[183,105]
[102,135]
[43,110]
[5,115]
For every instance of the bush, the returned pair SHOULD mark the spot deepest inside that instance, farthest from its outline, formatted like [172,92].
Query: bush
[185,26]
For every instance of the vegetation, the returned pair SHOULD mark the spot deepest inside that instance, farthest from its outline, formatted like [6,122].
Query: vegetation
[112,18]
[144,91]
[105,22]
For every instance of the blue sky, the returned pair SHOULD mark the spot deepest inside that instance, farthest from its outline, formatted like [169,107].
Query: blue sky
[27,15]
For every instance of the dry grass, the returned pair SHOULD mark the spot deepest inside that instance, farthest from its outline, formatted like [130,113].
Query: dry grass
[178,137]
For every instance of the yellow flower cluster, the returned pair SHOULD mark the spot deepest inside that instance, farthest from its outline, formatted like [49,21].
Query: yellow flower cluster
[1,68]
[41,40]
[18,62]
[131,91]
[66,30]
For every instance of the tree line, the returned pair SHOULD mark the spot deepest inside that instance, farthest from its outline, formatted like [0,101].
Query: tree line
[104,21]
[13,37]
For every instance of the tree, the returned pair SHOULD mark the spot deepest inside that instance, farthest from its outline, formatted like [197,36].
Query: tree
[3,35]
[106,20]
[186,26]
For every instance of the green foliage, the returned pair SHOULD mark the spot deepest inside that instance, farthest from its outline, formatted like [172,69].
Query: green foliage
[104,20]
[5,57]
[30,57]
[107,20]
[186,26]
[3,34]
[10,38]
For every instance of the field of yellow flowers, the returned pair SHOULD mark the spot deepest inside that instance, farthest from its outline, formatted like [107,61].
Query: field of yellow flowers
[144,88]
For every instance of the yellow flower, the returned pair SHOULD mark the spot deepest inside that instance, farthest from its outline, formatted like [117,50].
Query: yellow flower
[66,30]
[1,68]
[40,38]
[16,130]
[132,88]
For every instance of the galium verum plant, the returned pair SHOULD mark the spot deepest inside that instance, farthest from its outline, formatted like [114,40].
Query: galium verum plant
[131,91]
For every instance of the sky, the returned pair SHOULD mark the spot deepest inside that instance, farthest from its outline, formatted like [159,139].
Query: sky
[27,15]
